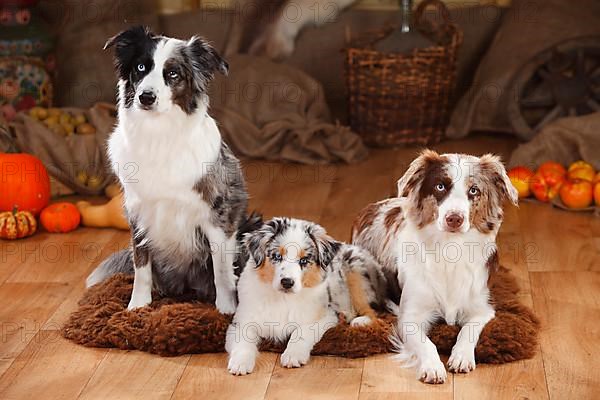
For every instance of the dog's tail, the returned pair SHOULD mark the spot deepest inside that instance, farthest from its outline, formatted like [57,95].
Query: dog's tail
[404,355]
[122,261]
[119,262]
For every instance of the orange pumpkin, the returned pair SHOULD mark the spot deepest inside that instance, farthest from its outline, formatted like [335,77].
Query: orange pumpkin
[24,183]
[60,217]
[17,224]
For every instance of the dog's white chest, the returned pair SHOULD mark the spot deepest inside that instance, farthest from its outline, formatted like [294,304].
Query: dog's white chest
[158,176]
[277,314]
[454,285]
[451,275]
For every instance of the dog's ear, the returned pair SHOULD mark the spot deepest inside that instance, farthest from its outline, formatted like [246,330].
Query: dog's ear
[493,168]
[206,60]
[256,242]
[126,43]
[415,173]
[327,247]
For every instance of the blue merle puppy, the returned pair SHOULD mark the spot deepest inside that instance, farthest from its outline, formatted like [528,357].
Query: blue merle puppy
[296,285]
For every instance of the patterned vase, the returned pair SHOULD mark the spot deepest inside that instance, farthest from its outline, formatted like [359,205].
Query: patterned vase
[26,59]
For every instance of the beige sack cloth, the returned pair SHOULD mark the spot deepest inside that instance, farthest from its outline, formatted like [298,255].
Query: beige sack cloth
[277,112]
[565,140]
[65,156]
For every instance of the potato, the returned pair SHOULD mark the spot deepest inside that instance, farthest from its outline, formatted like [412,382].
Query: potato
[86,129]
[68,127]
[51,121]
[81,177]
[54,112]
[94,182]
[38,113]
[79,119]
[64,119]
[42,113]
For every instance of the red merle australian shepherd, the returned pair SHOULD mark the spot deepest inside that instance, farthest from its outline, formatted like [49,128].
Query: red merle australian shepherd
[439,237]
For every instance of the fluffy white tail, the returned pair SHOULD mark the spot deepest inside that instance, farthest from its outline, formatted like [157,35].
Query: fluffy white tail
[403,355]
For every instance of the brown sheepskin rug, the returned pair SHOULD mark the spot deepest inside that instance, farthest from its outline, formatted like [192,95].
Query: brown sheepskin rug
[171,327]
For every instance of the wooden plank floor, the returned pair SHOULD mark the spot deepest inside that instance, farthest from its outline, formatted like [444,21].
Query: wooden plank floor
[554,254]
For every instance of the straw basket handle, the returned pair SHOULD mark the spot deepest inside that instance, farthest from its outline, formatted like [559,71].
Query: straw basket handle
[440,31]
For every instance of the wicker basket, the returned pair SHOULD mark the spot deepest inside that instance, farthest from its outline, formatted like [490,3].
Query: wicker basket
[402,99]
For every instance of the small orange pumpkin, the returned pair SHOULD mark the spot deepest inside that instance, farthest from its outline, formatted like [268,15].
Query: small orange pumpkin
[60,217]
[17,224]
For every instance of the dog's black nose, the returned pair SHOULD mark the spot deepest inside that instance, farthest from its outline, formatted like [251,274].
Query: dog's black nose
[287,283]
[147,98]
[454,220]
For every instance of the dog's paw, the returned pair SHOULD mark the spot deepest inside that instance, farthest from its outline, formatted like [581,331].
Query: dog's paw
[295,356]
[226,304]
[432,371]
[139,301]
[461,360]
[363,320]
[241,363]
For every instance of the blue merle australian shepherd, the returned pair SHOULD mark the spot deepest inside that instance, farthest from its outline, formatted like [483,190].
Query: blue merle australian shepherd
[184,190]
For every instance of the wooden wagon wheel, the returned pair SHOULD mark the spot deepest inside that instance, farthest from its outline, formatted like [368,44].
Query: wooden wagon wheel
[561,81]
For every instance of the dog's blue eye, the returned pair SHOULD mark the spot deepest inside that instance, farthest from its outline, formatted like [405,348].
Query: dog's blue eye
[440,187]
[141,67]
[276,256]
[303,261]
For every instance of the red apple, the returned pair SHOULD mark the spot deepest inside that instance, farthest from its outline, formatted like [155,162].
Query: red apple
[577,193]
[542,189]
[552,172]
[520,178]
[581,170]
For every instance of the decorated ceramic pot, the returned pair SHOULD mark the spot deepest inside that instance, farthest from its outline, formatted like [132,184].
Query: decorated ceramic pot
[26,59]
